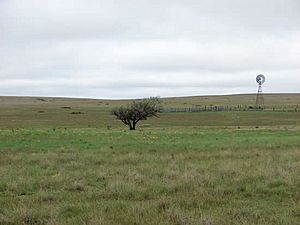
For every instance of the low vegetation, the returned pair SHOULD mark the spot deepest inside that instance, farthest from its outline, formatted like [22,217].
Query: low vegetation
[207,168]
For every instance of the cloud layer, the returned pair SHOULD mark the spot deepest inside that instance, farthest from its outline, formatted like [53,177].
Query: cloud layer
[128,49]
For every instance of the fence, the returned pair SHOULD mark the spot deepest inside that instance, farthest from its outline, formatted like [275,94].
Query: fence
[228,108]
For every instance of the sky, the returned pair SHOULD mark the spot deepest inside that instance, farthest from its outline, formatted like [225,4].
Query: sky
[142,48]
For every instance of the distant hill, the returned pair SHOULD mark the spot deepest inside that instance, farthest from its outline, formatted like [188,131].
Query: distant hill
[271,100]
[41,112]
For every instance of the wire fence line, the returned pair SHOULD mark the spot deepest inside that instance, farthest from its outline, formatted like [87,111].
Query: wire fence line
[229,108]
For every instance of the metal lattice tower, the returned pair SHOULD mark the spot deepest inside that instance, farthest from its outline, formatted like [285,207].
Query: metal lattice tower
[260,104]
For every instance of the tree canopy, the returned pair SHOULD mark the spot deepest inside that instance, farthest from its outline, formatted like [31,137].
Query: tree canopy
[138,110]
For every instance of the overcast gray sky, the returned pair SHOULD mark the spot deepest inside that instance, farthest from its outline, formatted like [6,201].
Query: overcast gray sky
[139,48]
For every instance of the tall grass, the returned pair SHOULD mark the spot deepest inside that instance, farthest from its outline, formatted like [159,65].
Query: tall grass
[162,176]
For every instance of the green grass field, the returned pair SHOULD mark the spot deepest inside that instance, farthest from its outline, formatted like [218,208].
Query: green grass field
[208,168]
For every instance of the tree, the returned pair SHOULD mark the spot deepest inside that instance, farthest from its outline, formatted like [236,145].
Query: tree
[138,110]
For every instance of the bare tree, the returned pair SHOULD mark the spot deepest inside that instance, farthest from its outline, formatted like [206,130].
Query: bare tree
[138,110]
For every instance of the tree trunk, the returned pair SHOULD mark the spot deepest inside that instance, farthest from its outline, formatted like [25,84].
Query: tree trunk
[132,126]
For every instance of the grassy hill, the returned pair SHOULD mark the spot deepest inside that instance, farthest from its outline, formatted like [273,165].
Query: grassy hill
[69,161]
[69,112]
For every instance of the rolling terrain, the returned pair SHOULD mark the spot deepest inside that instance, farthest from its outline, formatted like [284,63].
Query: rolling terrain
[69,161]
[35,112]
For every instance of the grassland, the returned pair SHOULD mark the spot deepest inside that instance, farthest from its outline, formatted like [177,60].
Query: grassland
[211,168]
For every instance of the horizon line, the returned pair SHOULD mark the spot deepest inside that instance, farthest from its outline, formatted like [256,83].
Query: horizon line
[163,97]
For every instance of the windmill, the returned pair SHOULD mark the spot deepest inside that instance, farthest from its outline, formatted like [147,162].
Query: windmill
[260,104]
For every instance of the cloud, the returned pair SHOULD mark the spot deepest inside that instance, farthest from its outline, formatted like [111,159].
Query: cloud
[121,49]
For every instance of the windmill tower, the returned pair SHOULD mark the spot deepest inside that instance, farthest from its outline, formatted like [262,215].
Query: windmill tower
[260,104]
